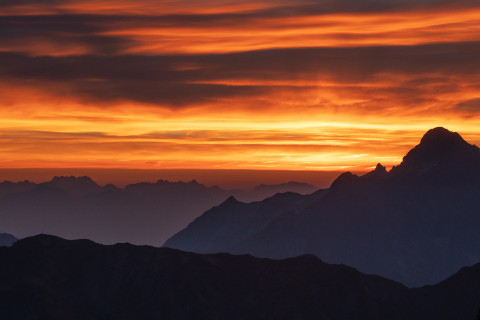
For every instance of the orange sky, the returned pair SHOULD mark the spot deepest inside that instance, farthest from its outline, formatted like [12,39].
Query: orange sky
[284,85]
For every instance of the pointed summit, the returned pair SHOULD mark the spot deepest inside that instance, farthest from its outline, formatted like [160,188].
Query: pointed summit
[379,172]
[440,151]
[230,201]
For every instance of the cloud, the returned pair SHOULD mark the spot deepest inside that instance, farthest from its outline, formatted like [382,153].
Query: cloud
[344,63]
[222,148]
[285,25]
[70,34]
[218,83]
[411,74]
[283,7]
[472,105]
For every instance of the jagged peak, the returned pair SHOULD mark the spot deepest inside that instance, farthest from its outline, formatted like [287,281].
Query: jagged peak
[72,179]
[72,184]
[380,169]
[379,172]
[230,200]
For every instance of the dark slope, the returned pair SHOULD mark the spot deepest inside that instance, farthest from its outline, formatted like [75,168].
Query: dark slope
[457,297]
[416,224]
[6,239]
[222,228]
[45,277]
[264,191]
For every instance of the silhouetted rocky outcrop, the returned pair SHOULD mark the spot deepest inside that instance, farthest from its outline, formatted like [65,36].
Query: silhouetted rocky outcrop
[442,155]
[417,224]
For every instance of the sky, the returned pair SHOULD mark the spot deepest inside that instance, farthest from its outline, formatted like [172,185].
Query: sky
[221,84]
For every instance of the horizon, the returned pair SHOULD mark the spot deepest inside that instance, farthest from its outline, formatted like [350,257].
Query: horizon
[242,179]
[225,179]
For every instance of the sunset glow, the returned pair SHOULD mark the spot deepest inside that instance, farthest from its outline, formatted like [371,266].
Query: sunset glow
[280,85]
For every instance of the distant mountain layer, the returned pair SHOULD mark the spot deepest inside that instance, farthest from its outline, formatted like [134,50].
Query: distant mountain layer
[45,277]
[141,213]
[6,239]
[417,224]
[223,228]
[267,190]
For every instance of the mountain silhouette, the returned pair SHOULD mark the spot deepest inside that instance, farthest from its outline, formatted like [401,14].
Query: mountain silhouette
[141,213]
[416,224]
[45,277]
[75,185]
[233,221]
[6,239]
[8,187]
[441,154]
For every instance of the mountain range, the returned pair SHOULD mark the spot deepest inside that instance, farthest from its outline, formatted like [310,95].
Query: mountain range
[45,277]
[417,223]
[140,213]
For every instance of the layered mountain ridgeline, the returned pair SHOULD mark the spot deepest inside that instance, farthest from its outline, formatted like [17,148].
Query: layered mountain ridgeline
[416,224]
[6,239]
[222,228]
[45,277]
[142,213]
[264,191]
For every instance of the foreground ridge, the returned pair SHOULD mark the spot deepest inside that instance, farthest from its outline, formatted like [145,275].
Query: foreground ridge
[54,278]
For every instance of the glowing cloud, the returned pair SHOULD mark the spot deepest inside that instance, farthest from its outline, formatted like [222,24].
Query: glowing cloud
[310,85]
